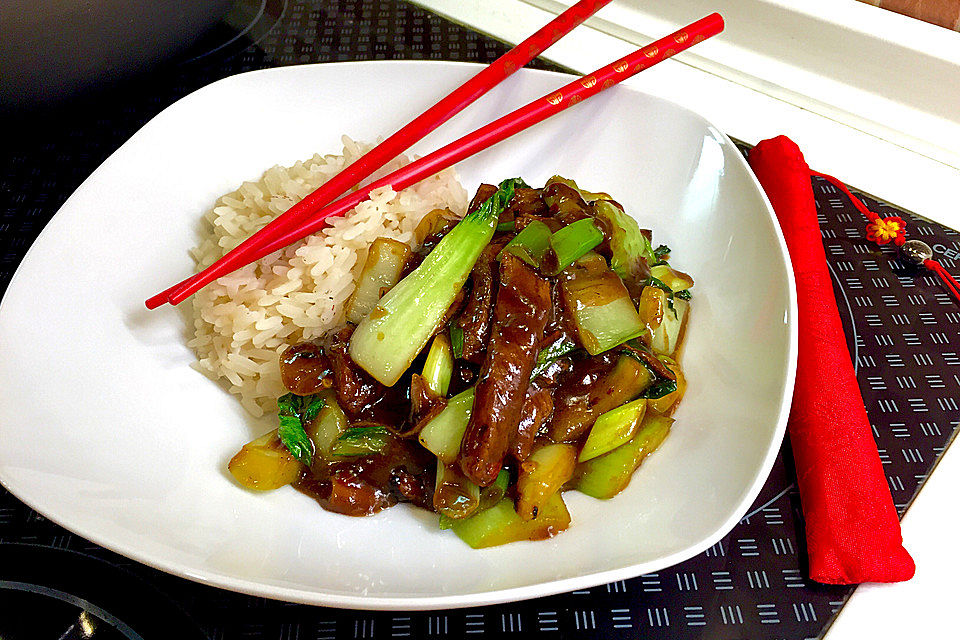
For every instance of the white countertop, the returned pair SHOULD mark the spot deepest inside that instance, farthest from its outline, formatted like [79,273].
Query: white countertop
[905,165]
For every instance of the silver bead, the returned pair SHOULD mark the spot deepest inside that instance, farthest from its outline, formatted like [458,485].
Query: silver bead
[916,252]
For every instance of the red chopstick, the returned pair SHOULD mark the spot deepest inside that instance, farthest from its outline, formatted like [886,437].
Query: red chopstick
[484,137]
[419,127]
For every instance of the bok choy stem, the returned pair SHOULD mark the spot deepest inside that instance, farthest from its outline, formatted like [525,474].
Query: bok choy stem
[391,336]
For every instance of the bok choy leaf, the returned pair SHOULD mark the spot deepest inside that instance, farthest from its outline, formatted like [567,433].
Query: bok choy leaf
[390,337]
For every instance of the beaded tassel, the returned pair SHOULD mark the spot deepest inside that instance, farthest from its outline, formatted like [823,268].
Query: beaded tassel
[894,229]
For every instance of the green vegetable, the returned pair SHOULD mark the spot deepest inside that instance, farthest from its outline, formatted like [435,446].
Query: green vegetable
[327,425]
[489,496]
[674,280]
[293,411]
[588,196]
[313,405]
[659,284]
[361,441]
[668,401]
[613,428]
[662,253]
[599,304]
[500,524]
[531,244]
[683,295]
[542,475]
[631,253]
[550,354]
[665,337]
[456,341]
[660,388]
[507,225]
[443,434]
[385,262]
[607,475]
[386,342]
[570,244]
[265,464]
[438,369]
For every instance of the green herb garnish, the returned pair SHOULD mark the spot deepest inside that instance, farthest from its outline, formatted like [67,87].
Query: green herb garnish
[659,389]
[659,284]
[550,354]
[456,341]
[293,411]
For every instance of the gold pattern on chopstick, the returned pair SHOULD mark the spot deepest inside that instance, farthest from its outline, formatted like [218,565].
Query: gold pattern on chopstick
[608,83]
[668,53]
[574,99]
[698,38]
[555,98]
[651,52]
[681,37]
[620,68]
[588,82]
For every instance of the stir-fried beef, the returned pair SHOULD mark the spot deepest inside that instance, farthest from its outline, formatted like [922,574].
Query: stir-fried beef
[537,407]
[484,191]
[475,320]
[520,342]
[358,393]
[305,369]
[365,485]
[565,203]
[518,323]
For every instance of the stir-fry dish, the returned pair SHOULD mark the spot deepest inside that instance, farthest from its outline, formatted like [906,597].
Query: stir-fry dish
[528,349]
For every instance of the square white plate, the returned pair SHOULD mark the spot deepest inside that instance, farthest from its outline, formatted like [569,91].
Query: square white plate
[105,428]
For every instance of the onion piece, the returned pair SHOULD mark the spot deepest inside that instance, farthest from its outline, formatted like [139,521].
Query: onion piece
[676,280]
[381,271]
[600,305]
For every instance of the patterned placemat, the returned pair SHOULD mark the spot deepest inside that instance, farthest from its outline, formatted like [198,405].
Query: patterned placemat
[902,329]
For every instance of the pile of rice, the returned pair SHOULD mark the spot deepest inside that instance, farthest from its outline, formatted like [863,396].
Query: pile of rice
[245,320]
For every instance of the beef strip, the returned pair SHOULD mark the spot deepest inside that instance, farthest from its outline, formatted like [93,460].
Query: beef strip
[518,321]
[525,202]
[484,191]
[305,369]
[537,408]
[364,485]
[358,393]
[565,203]
[475,320]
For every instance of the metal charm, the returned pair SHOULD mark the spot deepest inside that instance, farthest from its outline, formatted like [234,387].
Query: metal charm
[916,252]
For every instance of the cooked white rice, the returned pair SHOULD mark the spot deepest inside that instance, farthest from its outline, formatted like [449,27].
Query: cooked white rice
[243,321]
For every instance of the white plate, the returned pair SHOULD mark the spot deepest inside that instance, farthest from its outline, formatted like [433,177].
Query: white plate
[105,429]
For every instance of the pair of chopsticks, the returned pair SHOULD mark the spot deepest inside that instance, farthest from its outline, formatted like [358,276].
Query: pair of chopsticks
[310,214]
